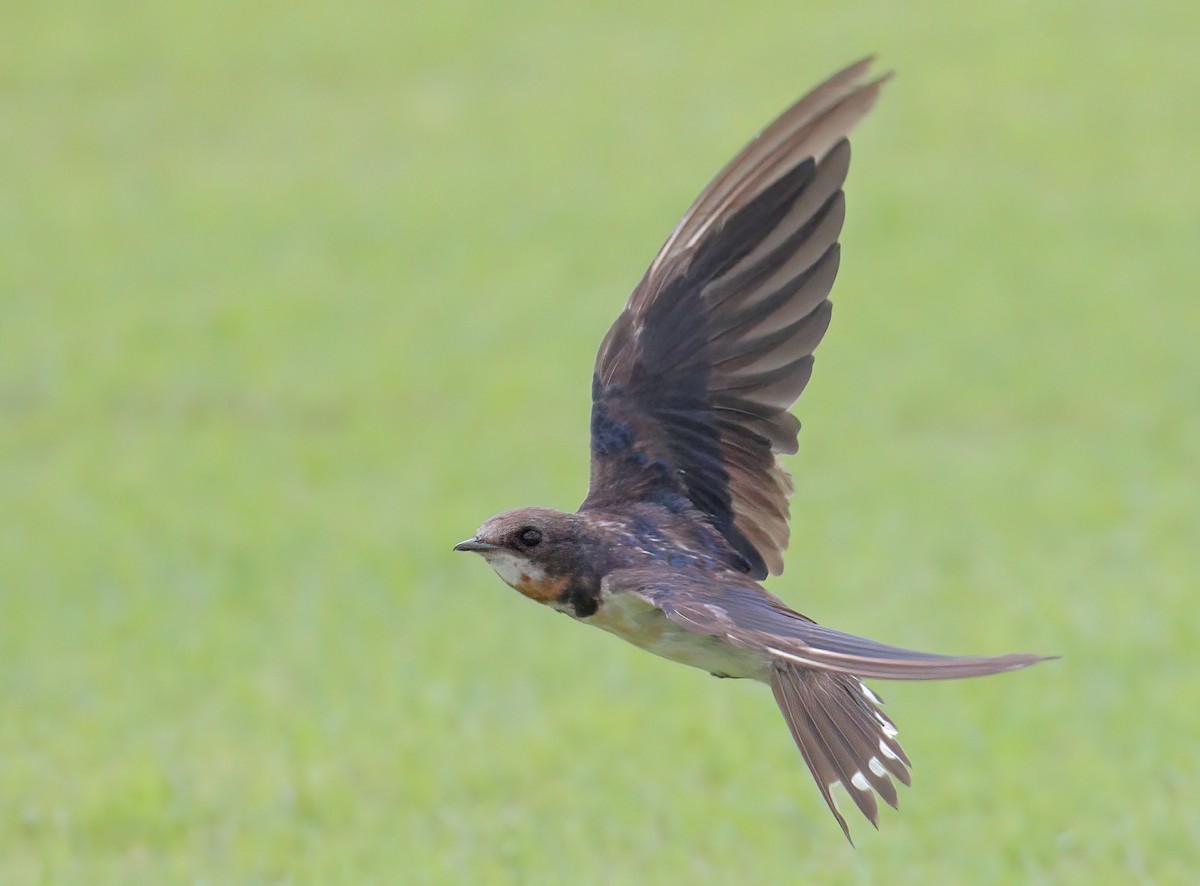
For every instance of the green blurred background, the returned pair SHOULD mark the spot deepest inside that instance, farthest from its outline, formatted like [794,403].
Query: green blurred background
[293,296]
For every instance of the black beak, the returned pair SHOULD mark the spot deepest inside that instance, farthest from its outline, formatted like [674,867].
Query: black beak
[474,544]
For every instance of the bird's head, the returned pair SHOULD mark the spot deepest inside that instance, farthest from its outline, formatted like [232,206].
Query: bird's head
[535,550]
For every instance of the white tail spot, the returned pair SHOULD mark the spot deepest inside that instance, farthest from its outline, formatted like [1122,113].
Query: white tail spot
[868,694]
[888,729]
[860,781]
[886,751]
[876,767]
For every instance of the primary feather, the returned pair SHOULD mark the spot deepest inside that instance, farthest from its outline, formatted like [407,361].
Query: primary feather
[695,378]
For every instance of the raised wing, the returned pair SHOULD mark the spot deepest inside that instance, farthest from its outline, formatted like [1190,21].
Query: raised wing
[693,381]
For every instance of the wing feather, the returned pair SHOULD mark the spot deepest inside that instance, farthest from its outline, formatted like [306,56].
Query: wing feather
[746,615]
[695,378]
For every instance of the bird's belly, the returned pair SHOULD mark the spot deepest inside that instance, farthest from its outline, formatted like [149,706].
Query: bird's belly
[641,623]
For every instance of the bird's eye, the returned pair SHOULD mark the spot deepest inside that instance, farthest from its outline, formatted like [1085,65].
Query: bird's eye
[530,537]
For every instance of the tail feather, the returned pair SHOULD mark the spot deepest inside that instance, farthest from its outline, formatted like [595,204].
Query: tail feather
[855,712]
[843,736]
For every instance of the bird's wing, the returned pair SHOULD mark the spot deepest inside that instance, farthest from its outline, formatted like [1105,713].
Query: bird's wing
[739,612]
[694,379]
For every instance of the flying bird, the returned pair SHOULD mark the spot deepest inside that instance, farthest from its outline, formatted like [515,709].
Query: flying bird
[687,505]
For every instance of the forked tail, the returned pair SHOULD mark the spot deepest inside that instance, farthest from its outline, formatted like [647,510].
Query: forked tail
[844,737]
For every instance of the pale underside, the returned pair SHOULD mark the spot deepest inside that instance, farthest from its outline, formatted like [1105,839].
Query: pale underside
[640,622]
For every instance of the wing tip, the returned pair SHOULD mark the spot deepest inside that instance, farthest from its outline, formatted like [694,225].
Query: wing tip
[858,70]
[859,77]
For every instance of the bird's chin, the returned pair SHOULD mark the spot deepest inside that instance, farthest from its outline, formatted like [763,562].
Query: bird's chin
[525,577]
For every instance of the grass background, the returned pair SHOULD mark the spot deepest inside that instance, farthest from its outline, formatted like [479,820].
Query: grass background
[292,296]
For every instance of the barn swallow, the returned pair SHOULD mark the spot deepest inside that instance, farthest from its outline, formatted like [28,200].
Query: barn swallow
[687,505]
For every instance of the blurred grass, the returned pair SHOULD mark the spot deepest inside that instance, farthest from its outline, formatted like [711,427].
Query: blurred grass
[292,297]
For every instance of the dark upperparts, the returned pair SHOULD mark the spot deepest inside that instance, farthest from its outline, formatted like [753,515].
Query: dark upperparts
[695,378]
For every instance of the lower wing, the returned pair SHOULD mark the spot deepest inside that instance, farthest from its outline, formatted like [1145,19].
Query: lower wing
[737,610]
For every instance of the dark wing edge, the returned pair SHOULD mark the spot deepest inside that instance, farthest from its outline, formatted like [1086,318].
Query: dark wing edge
[694,379]
[820,647]
[750,617]
[808,128]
